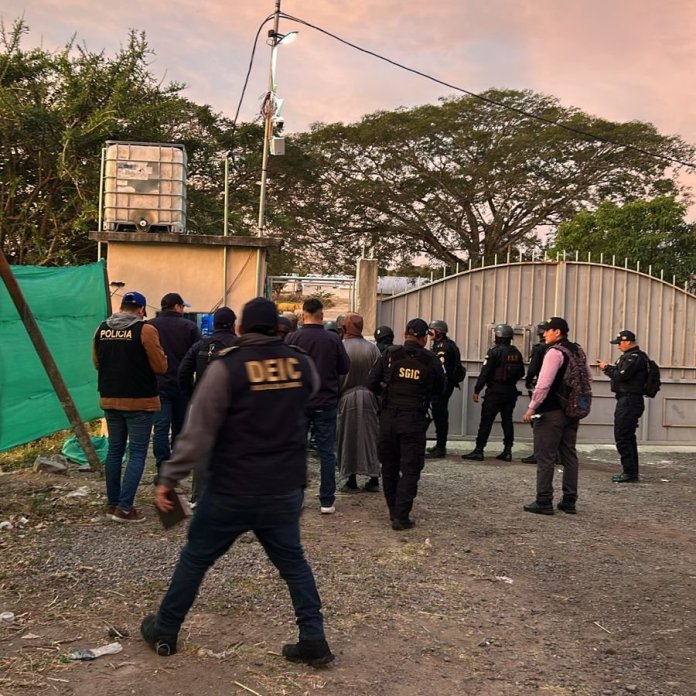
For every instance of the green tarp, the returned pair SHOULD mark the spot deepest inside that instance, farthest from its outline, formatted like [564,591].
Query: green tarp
[68,304]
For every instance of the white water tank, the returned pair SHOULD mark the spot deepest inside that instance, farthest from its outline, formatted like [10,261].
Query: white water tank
[144,187]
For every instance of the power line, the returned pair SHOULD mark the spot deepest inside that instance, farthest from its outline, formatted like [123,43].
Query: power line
[493,102]
[251,64]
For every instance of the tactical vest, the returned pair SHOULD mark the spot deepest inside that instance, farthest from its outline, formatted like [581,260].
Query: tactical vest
[409,379]
[261,445]
[510,365]
[552,402]
[124,370]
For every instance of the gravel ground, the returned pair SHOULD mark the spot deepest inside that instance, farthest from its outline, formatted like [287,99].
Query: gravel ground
[479,598]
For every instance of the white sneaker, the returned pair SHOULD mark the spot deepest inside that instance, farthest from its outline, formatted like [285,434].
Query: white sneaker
[327,510]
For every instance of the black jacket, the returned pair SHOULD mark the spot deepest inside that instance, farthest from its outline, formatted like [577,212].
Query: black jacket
[408,376]
[190,367]
[177,335]
[448,354]
[247,418]
[629,372]
[501,369]
[330,357]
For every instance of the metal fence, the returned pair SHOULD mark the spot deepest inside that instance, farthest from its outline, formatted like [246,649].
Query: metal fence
[597,300]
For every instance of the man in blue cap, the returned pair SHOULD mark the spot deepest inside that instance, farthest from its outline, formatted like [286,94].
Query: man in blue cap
[127,353]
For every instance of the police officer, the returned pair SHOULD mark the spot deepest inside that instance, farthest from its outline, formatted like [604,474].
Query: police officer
[501,369]
[536,358]
[409,376]
[628,375]
[448,353]
[384,337]
[256,478]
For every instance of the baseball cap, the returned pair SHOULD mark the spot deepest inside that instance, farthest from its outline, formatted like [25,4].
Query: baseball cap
[224,317]
[555,323]
[260,315]
[134,299]
[624,335]
[171,299]
[417,328]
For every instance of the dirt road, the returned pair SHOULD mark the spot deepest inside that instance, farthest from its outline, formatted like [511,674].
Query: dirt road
[479,598]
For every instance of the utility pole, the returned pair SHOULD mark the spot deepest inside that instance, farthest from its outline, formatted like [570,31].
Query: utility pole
[268,111]
[49,364]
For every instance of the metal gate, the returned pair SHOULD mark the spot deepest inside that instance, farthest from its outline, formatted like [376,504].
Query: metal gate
[597,300]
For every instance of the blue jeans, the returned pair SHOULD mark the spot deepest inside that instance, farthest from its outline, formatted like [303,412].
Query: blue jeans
[170,417]
[217,522]
[130,428]
[324,426]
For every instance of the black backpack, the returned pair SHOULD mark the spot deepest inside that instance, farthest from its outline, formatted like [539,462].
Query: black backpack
[206,353]
[652,379]
[458,370]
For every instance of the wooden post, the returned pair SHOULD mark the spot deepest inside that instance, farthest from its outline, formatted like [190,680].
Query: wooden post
[49,364]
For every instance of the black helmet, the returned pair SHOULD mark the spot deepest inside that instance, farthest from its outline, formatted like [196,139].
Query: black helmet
[331,326]
[540,329]
[438,325]
[503,331]
[383,332]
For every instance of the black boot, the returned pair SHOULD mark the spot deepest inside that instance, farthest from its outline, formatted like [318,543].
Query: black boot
[505,455]
[475,454]
[435,452]
[531,459]
[311,652]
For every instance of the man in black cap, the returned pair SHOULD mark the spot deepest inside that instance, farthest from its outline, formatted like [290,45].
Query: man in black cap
[628,376]
[329,355]
[194,364]
[177,335]
[247,417]
[555,433]
[408,376]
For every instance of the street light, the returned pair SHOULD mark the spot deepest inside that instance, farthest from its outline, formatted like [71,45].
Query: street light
[270,111]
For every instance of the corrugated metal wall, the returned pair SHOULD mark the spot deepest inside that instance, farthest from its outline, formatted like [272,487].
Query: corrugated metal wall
[598,301]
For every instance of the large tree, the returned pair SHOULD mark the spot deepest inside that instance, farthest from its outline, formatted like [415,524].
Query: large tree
[654,234]
[466,179]
[56,111]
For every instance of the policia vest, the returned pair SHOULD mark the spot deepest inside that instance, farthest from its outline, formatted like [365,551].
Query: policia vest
[409,378]
[124,370]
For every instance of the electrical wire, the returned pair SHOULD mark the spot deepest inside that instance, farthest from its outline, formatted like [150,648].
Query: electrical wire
[543,119]
[248,73]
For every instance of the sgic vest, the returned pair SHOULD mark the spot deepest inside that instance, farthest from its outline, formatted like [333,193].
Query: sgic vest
[261,446]
[124,370]
[409,377]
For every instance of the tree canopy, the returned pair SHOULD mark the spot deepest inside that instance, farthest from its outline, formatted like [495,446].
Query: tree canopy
[651,233]
[467,179]
[464,179]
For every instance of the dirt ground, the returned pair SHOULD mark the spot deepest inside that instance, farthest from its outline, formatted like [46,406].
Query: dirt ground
[479,598]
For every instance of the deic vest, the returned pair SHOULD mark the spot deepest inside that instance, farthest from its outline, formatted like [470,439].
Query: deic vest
[261,446]
[124,370]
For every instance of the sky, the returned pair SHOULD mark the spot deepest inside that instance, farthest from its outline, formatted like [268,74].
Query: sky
[619,59]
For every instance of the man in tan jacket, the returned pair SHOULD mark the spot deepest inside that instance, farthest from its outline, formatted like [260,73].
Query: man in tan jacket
[128,355]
